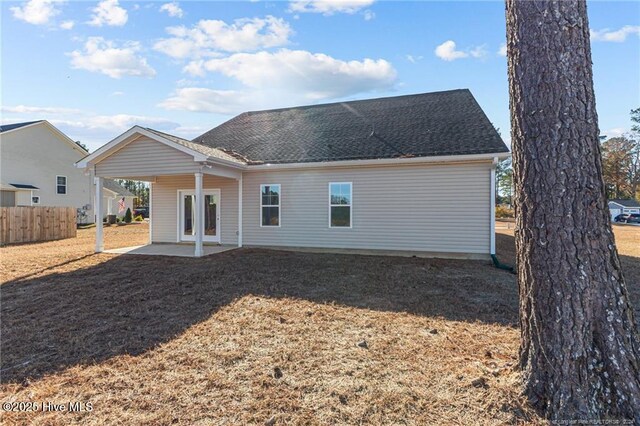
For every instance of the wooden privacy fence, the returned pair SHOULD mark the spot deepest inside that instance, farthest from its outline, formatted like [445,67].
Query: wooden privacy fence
[31,224]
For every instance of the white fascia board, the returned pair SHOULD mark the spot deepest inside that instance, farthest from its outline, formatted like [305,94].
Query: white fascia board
[126,137]
[385,161]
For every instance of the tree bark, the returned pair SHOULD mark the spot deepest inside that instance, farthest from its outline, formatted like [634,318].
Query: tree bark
[580,347]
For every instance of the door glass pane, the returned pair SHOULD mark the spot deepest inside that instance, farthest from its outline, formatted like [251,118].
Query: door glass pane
[210,214]
[188,215]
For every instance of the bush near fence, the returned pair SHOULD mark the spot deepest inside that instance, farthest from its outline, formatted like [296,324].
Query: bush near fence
[32,224]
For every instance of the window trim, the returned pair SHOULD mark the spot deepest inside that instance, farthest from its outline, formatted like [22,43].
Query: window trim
[350,205]
[66,185]
[279,205]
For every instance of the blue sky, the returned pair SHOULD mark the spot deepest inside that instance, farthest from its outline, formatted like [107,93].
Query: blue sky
[94,69]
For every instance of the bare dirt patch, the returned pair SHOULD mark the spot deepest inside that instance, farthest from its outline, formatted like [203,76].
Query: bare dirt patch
[22,260]
[251,335]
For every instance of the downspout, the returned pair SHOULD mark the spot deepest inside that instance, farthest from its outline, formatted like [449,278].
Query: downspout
[492,218]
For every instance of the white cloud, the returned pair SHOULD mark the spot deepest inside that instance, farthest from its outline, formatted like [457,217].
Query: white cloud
[617,36]
[447,51]
[24,109]
[117,93]
[479,51]
[118,122]
[173,9]
[502,51]
[109,12]
[413,59]
[89,127]
[199,99]
[282,78]
[36,12]
[209,37]
[316,76]
[614,132]
[105,57]
[329,7]
[67,25]
[369,15]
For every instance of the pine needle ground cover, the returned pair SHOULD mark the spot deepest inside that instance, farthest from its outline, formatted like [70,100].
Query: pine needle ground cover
[261,336]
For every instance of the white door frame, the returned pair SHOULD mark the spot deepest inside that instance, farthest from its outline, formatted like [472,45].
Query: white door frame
[206,238]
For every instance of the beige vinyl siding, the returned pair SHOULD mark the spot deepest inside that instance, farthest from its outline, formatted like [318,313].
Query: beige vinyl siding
[146,157]
[164,206]
[433,208]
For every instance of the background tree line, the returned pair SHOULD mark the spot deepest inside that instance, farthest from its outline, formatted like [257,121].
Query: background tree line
[620,167]
[621,162]
[139,189]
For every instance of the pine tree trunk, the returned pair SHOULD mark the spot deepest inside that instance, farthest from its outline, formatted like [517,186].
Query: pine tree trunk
[580,347]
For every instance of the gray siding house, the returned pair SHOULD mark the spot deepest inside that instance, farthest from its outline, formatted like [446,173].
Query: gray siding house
[404,174]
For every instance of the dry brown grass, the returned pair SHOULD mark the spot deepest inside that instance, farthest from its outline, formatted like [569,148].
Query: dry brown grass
[156,340]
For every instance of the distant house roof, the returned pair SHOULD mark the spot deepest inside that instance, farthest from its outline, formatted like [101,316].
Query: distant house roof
[7,127]
[626,203]
[114,186]
[23,186]
[429,124]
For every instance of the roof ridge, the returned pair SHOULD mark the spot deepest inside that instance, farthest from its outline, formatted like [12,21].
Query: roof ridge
[411,95]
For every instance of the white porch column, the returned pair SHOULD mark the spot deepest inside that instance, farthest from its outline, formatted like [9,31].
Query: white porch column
[110,205]
[240,211]
[97,209]
[151,212]
[199,216]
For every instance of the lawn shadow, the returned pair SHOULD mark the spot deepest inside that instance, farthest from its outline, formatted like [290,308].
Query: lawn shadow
[130,304]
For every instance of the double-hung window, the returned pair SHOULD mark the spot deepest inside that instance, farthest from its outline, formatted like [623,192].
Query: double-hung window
[61,184]
[340,204]
[270,205]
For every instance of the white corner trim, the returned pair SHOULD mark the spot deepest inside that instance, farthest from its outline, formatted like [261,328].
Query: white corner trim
[492,204]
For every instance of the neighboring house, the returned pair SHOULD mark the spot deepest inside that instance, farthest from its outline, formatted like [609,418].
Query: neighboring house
[408,173]
[37,169]
[113,193]
[618,206]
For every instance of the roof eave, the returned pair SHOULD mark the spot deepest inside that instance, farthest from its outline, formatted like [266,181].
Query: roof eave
[464,158]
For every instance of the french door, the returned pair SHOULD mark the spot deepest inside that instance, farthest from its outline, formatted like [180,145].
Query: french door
[187,217]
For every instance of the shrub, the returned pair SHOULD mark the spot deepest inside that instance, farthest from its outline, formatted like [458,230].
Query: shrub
[504,211]
[138,218]
[127,216]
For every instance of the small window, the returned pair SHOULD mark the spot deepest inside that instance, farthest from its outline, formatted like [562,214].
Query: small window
[61,184]
[340,205]
[35,200]
[270,205]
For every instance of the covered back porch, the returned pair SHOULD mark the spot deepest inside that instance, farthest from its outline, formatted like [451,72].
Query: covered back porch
[195,192]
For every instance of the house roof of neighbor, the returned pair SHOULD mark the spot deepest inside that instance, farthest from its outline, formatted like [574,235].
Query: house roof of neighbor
[422,125]
[626,203]
[7,127]
[114,186]
[23,186]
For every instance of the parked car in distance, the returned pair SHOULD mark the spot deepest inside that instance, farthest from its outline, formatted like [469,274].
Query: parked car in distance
[141,211]
[621,217]
[634,218]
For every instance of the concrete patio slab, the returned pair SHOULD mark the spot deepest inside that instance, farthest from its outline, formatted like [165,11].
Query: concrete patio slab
[180,250]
